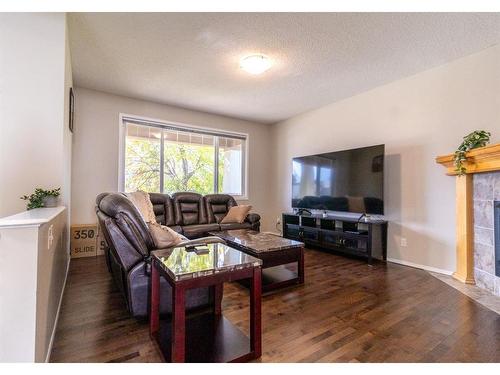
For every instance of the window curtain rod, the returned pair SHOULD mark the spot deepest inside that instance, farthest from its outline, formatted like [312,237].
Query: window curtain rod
[166,126]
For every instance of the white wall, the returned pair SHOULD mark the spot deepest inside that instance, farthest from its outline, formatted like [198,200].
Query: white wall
[67,135]
[35,144]
[96,141]
[417,118]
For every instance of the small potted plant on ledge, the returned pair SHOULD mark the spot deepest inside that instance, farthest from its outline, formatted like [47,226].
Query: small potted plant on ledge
[42,198]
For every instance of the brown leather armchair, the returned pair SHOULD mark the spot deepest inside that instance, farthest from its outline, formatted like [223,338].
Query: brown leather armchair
[129,241]
[128,256]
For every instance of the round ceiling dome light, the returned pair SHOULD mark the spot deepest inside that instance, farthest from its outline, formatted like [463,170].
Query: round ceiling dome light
[255,64]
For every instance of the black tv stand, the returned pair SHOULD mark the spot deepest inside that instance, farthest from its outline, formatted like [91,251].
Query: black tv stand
[346,235]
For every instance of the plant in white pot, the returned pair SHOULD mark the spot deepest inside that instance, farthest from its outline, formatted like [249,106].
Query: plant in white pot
[42,198]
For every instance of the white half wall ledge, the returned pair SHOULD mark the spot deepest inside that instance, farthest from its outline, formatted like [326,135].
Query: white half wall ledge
[420,266]
[30,218]
[38,238]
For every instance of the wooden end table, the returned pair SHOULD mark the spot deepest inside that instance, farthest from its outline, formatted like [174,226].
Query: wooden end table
[208,336]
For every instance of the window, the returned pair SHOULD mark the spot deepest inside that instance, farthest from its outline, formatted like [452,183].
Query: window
[160,157]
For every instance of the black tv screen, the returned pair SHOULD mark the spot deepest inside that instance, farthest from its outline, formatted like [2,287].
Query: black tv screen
[349,181]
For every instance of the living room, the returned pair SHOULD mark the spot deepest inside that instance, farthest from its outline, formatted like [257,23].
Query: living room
[308,189]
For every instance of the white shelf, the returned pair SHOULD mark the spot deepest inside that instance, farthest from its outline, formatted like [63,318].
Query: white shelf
[35,217]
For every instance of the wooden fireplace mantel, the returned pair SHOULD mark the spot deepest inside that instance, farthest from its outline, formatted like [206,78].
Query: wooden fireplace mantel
[482,159]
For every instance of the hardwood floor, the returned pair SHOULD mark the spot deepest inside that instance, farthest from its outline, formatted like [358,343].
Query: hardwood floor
[347,311]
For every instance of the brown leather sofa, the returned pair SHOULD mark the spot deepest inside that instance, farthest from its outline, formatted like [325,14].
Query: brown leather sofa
[129,242]
[194,215]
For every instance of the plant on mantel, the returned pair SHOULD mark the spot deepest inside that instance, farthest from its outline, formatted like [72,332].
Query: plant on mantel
[39,198]
[478,138]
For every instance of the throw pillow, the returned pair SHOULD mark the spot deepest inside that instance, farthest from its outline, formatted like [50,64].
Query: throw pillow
[164,236]
[236,214]
[142,202]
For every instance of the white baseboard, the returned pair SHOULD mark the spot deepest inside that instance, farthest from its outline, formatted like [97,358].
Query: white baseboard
[421,266]
[52,336]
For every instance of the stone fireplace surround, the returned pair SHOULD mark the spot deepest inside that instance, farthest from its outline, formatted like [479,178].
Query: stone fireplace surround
[475,200]
[486,191]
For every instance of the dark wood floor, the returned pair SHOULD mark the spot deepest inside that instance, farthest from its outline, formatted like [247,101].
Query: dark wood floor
[346,312]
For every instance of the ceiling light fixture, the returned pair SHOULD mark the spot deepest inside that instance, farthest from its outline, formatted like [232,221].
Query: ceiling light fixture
[255,64]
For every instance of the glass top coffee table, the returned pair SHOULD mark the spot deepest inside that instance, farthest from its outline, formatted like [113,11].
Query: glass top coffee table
[282,258]
[204,337]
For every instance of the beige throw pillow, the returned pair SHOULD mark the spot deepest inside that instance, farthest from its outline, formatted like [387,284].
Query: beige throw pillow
[142,202]
[236,214]
[163,236]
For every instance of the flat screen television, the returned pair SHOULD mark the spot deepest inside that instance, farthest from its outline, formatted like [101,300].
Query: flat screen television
[347,181]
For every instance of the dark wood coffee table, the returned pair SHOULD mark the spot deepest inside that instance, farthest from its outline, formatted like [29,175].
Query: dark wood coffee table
[278,256]
[204,337]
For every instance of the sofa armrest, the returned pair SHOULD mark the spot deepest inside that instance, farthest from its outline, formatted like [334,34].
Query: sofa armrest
[201,241]
[252,218]
[195,242]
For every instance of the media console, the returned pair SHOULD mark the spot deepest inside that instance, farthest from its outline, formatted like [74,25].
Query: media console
[365,237]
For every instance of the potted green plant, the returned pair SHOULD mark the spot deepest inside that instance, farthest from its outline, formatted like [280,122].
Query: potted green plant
[42,198]
[478,138]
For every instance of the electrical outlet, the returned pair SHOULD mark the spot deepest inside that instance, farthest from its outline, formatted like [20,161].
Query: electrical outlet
[50,236]
[404,242]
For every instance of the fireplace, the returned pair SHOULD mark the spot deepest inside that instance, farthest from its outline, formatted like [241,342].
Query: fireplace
[474,200]
[496,213]
[486,246]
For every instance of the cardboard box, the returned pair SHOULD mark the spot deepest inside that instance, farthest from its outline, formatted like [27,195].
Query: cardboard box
[83,240]
[101,242]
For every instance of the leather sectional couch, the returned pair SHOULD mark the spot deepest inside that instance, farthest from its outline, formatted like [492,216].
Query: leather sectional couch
[129,242]
[194,215]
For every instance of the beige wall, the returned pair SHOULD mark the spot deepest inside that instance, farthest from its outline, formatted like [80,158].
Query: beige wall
[96,141]
[35,143]
[35,151]
[67,135]
[417,118]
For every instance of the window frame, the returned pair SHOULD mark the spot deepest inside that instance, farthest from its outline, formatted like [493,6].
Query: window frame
[123,117]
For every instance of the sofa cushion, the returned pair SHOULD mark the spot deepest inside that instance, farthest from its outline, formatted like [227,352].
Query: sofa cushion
[189,209]
[236,214]
[128,220]
[194,231]
[163,208]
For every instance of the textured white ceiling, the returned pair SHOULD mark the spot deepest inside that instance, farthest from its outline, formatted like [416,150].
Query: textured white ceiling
[192,59]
